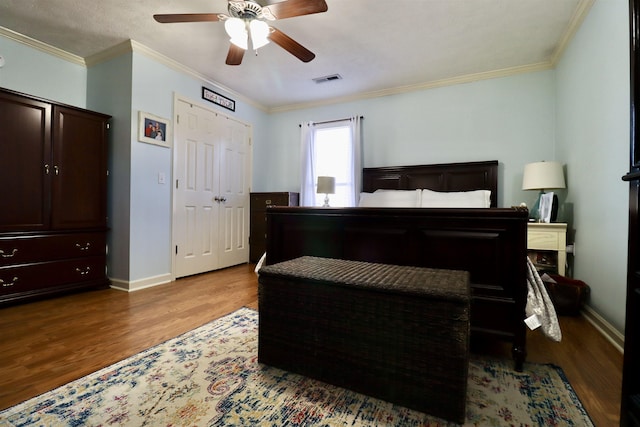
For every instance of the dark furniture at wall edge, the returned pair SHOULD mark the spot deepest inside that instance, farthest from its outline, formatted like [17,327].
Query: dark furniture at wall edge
[53,223]
[630,399]
[259,201]
[489,243]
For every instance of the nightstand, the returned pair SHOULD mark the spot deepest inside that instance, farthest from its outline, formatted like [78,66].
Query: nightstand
[547,245]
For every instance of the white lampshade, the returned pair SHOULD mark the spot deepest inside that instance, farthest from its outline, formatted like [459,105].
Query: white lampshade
[259,33]
[237,31]
[543,176]
[326,185]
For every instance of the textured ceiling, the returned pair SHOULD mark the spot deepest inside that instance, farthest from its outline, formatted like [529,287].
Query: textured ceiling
[376,46]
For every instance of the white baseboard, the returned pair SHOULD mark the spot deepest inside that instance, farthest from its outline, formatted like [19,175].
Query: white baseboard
[136,285]
[614,336]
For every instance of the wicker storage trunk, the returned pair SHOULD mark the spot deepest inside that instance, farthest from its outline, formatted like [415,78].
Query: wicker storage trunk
[397,333]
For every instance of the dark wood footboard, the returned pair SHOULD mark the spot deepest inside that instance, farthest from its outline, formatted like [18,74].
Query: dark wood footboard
[488,243]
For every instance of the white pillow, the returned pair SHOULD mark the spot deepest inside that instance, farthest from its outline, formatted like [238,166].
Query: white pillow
[390,199]
[457,199]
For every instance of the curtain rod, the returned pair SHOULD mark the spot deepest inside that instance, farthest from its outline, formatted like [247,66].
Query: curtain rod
[331,121]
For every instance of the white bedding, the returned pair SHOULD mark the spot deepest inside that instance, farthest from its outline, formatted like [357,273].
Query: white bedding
[424,198]
[390,199]
[456,199]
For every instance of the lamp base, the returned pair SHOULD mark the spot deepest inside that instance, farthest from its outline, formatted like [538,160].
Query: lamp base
[326,201]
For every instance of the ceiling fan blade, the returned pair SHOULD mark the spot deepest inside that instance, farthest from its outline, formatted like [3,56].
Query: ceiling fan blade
[186,17]
[234,57]
[291,8]
[290,45]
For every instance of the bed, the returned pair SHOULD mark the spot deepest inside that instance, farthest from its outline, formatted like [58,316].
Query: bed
[490,242]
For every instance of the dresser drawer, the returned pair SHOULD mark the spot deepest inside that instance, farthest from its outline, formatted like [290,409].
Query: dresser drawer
[544,240]
[32,277]
[21,250]
[260,201]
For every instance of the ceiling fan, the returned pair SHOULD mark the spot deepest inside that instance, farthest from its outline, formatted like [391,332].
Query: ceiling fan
[246,20]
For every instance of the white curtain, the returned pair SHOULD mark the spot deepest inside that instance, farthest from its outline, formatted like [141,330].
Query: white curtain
[356,145]
[308,169]
[308,178]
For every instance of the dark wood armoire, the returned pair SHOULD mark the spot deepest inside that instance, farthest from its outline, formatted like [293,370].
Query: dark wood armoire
[630,402]
[53,219]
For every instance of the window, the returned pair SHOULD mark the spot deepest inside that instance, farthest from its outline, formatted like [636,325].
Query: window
[331,149]
[334,158]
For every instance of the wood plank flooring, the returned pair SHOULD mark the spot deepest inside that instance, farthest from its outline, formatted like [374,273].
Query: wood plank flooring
[48,343]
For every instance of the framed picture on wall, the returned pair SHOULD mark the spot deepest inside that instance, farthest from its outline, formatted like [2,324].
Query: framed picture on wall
[154,130]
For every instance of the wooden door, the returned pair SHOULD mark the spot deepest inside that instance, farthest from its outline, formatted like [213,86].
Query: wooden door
[25,160]
[78,169]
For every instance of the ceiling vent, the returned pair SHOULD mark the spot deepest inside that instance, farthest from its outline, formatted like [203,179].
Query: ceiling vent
[330,78]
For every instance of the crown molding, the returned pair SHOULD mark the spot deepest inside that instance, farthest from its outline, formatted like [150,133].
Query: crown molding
[113,52]
[584,6]
[125,47]
[43,47]
[130,46]
[468,78]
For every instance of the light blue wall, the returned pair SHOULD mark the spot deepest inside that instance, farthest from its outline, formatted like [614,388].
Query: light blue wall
[37,73]
[153,89]
[510,119]
[109,90]
[593,141]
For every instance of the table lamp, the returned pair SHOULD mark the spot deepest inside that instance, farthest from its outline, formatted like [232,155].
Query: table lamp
[543,176]
[326,186]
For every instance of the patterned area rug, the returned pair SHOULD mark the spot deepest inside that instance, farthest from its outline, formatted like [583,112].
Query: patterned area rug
[210,377]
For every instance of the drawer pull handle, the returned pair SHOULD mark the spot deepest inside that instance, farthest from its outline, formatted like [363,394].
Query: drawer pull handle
[83,272]
[84,247]
[7,255]
[7,285]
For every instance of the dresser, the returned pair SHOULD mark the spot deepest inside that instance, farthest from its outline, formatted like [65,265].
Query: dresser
[53,221]
[547,246]
[258,221]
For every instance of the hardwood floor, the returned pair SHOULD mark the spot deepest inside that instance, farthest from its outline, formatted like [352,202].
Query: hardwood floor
[48,343]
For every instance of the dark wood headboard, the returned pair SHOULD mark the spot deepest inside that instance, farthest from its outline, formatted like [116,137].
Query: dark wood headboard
[438,177]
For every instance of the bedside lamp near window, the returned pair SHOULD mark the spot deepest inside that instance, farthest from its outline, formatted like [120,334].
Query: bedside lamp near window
[326,186]
[543,176]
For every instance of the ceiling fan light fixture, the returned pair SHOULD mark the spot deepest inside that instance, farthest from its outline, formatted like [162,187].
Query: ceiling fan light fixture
[259,33]
[237,31]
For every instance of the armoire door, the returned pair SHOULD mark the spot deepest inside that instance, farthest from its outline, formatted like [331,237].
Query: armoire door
[211,194]
[630,399]
[25,157]
[78,169]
